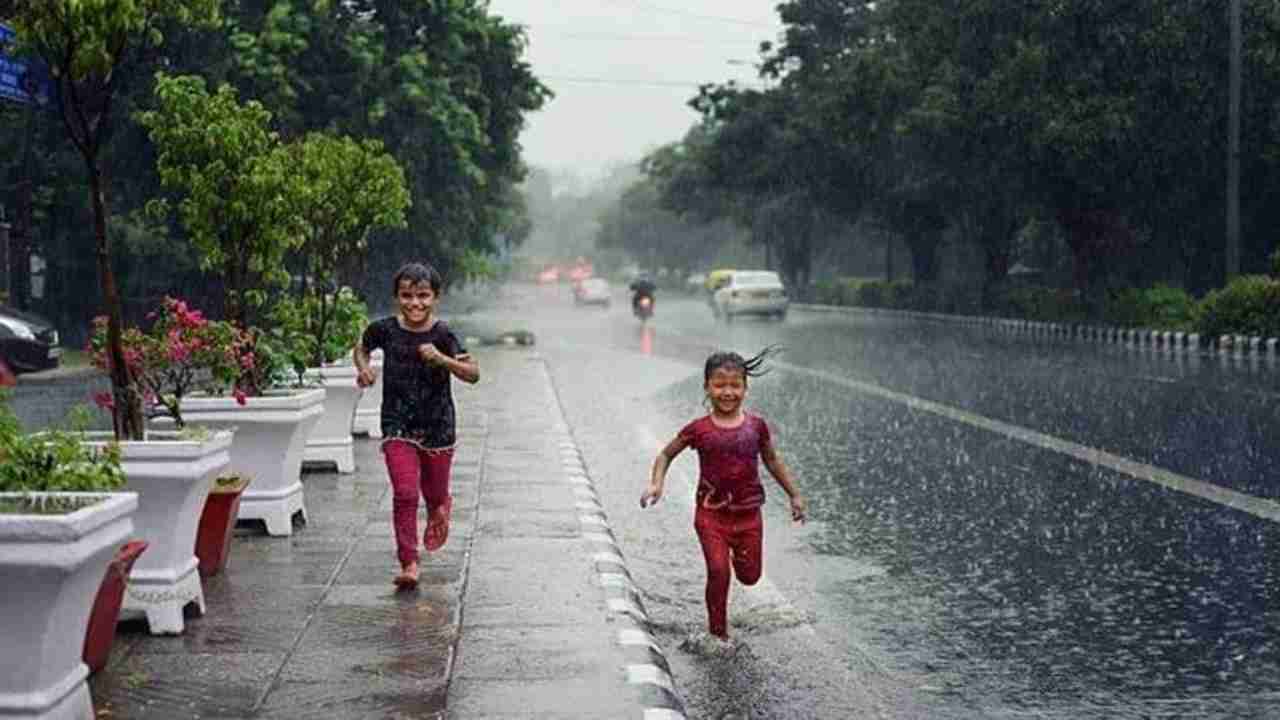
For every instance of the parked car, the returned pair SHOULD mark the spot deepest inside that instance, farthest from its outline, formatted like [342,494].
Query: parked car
[28,342]
[751,292]
[593,291]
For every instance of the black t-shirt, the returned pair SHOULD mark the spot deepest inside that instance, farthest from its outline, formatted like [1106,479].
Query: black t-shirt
[417,398]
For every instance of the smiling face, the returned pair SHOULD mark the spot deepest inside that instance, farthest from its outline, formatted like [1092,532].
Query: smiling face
[726,389]
[417,302]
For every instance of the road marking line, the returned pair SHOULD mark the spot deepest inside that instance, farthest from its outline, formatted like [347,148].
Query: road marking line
[1256,506]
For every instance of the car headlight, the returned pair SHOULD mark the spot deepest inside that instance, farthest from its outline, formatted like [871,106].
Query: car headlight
[17,327]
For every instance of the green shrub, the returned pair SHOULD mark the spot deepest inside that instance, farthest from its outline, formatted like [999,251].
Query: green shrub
[1042,304]
[56,461]
[1275,263]
[1160,307]
[1248,305]
[873,294]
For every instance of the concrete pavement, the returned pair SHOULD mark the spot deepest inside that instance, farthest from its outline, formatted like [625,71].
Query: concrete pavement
[528,612]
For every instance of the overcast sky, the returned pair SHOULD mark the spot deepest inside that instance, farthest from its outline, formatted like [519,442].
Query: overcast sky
[622,70]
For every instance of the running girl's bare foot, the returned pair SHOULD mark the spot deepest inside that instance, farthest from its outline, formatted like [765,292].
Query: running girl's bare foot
[438,526]
[408,577]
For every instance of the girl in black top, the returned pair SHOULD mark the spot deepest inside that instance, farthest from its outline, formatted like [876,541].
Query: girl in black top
[421,356]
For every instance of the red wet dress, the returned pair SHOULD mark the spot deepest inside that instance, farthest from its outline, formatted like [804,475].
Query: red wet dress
[728,519]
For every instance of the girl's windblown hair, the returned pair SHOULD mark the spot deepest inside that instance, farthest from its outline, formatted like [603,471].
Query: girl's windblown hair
[749,367]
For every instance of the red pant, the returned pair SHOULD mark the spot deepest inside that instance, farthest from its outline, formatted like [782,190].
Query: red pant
[413,470]
[732,543]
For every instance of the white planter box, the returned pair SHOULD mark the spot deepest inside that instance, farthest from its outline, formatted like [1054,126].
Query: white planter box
[271,433]
[330,441]
[369,412]
[50,570]
[173,478]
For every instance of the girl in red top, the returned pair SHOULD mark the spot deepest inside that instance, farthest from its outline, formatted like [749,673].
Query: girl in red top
[730,443]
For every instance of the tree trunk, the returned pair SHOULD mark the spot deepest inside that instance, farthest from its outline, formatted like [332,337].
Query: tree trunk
[126,413]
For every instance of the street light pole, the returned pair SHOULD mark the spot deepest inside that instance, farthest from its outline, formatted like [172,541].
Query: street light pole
[1233,147]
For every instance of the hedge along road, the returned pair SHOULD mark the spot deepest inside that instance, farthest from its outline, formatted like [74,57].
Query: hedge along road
[968,534]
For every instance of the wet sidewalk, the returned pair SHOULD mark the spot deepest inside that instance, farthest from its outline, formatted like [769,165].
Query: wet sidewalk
[511,618]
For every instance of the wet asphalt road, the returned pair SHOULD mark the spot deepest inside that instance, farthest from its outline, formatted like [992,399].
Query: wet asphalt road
[949,571]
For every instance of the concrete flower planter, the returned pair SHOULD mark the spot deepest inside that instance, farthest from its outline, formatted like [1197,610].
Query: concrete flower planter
[51,567]
[271,433]
[330,441]
[173,477]
[369,412]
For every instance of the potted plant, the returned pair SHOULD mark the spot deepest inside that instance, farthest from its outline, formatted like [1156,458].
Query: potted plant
[171,470]
[213,540]
[273,419]
[324,327]
[62,519]
[344,189]
[237,193]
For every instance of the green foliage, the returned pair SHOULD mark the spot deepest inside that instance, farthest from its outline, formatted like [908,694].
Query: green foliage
[1160,307]
[267,359]
[181,351]
[1275,263]
[55,461]
[1042,304]
[237,184]
[1249,305]
[297,321]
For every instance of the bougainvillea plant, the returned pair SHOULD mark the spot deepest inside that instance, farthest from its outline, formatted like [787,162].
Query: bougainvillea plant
[183,351]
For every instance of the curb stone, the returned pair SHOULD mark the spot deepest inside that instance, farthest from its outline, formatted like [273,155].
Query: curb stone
[647,668]
[1172,341]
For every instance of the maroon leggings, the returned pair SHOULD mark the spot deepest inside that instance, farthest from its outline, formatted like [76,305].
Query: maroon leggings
[414,470]
[732,543]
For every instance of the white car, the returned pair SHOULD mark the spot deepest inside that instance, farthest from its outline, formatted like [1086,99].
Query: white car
[592,291]
[751,292]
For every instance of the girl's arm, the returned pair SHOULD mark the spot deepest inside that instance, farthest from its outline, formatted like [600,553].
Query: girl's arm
[464,368]
[364,373]
[658,476]
[779,471]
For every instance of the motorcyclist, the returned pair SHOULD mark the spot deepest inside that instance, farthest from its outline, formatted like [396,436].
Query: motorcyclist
[641,287]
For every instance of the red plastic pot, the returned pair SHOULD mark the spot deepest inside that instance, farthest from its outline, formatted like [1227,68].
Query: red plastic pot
[213,539]
[101,632]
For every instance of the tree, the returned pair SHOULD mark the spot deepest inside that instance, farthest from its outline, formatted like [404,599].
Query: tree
[86,45]
[342,189]
[237,184]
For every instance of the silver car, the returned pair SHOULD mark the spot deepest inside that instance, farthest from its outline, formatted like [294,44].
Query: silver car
[751,292]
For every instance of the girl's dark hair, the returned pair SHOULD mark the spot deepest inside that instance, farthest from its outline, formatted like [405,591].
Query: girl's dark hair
[417,274]
[749,367]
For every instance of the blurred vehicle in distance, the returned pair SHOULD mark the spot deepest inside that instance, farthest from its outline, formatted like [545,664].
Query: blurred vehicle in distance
[716,279]
[751,292]
[549,274]
[581,270]
[695,283]
[28,342]
[593,291]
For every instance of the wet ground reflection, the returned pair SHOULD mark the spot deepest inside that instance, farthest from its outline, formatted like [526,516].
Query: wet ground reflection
[1011,579]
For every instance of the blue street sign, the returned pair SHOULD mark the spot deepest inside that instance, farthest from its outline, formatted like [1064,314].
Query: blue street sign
[20,80]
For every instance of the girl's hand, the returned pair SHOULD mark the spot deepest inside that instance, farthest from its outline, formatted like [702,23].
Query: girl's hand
[798,507]
[430,354]
[650,495]
[366,377]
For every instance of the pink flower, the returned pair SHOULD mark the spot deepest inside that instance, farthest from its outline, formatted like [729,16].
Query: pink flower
[247,361]
[241,398]
[104,400]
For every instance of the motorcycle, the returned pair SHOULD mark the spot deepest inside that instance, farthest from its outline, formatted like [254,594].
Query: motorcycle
[642,307]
